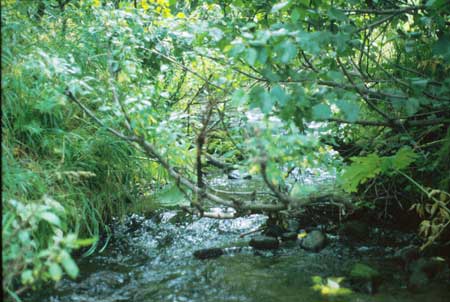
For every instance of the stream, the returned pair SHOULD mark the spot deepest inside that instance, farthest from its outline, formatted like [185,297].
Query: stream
[151,259]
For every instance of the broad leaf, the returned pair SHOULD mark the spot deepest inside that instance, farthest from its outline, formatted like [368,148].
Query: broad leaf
[321,111]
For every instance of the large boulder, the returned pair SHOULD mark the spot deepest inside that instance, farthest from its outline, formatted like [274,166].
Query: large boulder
[264,242]
[314,241]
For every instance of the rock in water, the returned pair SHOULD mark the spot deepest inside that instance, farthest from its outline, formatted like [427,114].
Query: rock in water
[289,236]
[264,243]
[365,279]
[314,241]
[236,174]
[208,253]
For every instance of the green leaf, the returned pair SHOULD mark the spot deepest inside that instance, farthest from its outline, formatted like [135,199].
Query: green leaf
[27,277]
[336,76]
[412,105]
[296,15]
[279,94]
[436,3]
[335,14]
[262,55]
[362,169]
[250,56]
[55,271]
[51,218]
[286,51]
[237,48]
[85,242]
[350,110]
[170,196]
[420,82]
[260,98]
[24,236]
[239,97]
[321,111]
[311,42]
[267,102]
[69,264]
[403,158]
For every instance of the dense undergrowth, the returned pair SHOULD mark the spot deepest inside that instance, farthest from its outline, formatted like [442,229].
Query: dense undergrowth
[278,86]
[62,178]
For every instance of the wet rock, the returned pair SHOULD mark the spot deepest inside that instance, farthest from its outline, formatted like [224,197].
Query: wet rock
[264,242]
[430,266]
[289,236]
[273,231]
[418,281]
[314,241]
[210,253]
[364,278]
[236,174]
[355,230]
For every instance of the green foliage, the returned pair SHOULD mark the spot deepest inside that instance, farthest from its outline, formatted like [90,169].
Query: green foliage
[330,287]
[363,271]
[36,243]
[280,76]
[368,167]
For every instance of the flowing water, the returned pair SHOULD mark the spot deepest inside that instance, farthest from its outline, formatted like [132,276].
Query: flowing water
[150,259]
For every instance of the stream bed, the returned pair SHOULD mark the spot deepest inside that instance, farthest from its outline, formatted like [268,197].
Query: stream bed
[151,259]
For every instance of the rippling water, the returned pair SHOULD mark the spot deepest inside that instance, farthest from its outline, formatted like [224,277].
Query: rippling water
[150,259]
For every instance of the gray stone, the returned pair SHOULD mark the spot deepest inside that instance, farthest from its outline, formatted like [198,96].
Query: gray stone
[210,253]
[314,241]
[264,242]
[289,236]
[236,174]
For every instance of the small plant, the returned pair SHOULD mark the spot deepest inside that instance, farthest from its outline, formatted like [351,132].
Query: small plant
[330,287]
[36,246]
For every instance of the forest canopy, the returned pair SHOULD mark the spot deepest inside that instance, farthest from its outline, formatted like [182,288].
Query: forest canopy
[105,102]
